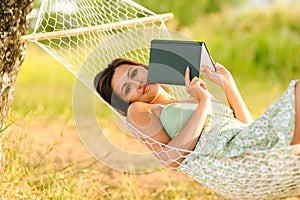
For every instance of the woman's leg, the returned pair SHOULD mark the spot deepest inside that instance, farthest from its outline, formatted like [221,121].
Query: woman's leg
[296,139]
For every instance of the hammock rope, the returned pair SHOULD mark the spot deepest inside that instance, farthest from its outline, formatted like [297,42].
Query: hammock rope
[84,36]
[87,30]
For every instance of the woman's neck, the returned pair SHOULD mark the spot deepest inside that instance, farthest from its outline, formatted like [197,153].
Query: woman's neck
[164,100]
[167,99]
[163,97]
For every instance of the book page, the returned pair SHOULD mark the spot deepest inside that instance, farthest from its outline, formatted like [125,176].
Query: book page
[206,59]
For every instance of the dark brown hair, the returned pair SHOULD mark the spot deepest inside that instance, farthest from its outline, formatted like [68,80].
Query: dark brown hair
[102,83]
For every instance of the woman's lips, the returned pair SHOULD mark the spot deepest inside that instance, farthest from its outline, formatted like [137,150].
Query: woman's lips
[146,88]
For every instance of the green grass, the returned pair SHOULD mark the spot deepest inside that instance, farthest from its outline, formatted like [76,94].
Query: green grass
[42,173]
[46,160]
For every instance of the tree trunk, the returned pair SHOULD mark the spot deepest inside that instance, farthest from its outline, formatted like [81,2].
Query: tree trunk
[13,24]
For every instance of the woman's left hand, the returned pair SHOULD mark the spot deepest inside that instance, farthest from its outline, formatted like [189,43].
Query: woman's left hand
[196,88]
[221,76]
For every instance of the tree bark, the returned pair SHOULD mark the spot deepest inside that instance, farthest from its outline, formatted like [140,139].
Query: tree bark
[13,24]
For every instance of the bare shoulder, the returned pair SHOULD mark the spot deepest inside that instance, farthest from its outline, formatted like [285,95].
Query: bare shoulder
[138,108]
[139,113]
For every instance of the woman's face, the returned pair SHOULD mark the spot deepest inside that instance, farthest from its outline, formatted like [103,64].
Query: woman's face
[130,83]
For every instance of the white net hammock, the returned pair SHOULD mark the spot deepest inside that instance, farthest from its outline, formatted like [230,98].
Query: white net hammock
[86,35]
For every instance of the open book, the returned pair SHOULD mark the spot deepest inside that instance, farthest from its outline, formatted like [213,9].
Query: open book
[169,59]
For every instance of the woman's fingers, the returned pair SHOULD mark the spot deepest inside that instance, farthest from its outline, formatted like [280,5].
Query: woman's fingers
[187,81]
[218,66]
[197,83]
[203,85]
[205,71]
[187,76]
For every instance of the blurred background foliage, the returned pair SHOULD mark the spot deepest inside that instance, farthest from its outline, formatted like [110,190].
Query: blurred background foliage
[254,43]
[187,11]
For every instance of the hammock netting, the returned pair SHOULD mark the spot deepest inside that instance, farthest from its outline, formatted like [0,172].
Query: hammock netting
[84,36]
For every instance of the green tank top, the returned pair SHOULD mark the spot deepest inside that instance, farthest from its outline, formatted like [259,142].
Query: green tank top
[174,116]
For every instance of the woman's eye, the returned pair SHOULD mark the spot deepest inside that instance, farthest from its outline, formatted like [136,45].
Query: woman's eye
[127,89]
[133,73]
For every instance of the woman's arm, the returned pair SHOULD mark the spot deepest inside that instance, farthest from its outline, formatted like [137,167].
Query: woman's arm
[143,118]
[237,103]
[188,136]
[224,78]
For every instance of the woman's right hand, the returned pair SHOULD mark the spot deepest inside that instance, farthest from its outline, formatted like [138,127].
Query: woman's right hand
[196,88]
[221,76]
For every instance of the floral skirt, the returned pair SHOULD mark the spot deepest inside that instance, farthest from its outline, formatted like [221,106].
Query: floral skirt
[252,161]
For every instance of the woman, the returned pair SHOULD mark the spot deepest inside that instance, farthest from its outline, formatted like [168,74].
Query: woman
[123,85]
[203,138]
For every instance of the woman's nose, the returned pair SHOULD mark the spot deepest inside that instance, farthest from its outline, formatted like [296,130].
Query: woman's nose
[138,83]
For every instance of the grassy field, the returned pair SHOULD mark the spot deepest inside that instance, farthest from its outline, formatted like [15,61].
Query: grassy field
[45,157]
